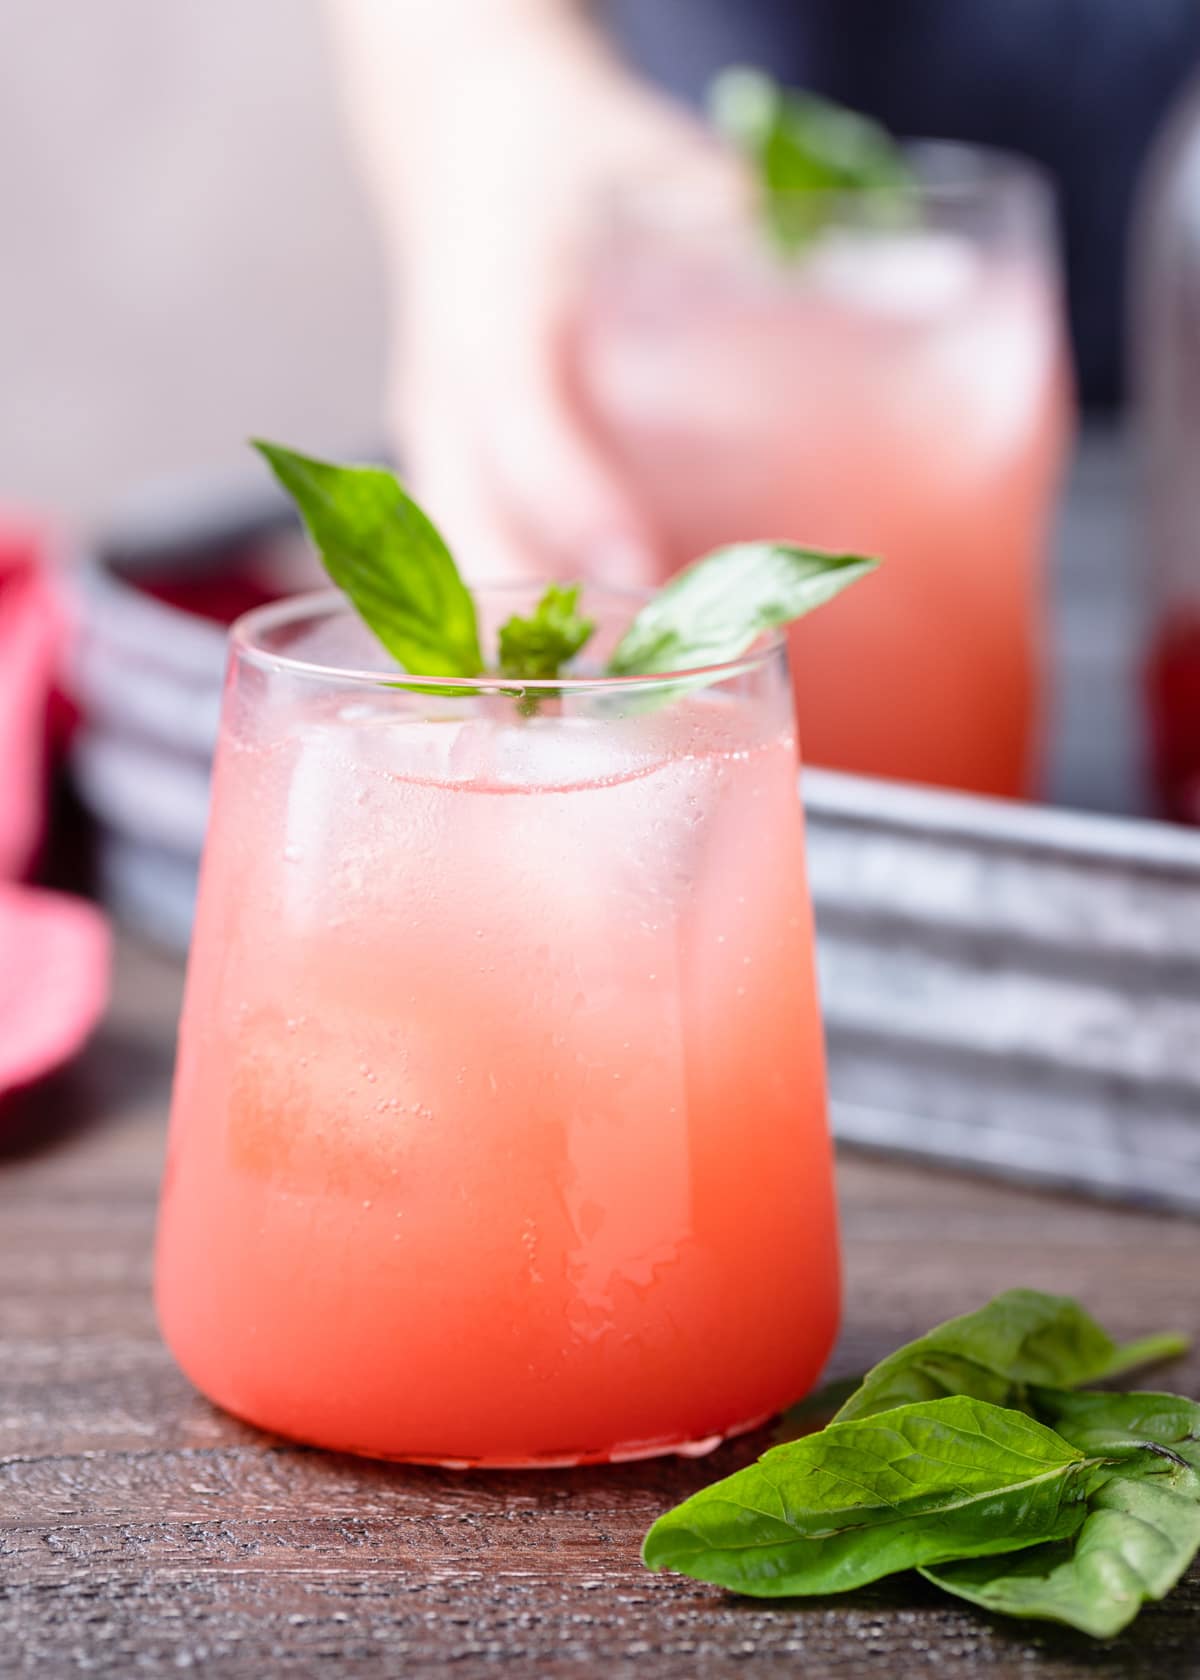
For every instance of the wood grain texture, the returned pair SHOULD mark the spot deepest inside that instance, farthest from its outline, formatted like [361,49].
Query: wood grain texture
[143,1533]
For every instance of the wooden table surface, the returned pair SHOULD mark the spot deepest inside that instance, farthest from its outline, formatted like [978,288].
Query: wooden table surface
[142,1532]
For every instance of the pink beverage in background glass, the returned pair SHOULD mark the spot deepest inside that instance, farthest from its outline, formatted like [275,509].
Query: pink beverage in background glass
[499,1129]
[894,390]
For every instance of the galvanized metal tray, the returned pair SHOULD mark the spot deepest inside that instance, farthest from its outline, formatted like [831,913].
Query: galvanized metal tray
[1011,988]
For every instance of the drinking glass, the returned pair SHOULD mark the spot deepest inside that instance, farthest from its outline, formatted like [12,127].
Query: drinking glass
[499,1130]
[899,387]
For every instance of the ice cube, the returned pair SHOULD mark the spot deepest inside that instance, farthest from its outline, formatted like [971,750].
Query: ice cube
[905,275]
[993,366]
[362,795]
[552,752]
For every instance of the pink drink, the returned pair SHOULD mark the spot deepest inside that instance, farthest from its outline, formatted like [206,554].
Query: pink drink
[899,393]
[499,1128]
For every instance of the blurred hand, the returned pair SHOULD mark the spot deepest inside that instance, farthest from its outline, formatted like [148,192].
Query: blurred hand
[486,222]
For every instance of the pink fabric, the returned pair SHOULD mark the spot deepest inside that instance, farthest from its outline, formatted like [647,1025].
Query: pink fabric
[31,629]
[53,949]
[53,980]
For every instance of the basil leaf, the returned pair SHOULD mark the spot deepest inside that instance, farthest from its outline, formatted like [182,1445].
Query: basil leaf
[539,646]
[716,608]
[925,1484]
[808,153]
[1105,1425]
[1154,1349]
[378,546]
[1142,1527]
[1020,1338]
[935,1372]
[1136,1541]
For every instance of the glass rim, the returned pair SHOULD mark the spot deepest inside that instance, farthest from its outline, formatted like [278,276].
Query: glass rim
[973,171]
[248,629]
[950,173]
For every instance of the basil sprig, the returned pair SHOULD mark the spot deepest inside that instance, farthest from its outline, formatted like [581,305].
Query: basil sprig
[808,154]
[1141,1523]
[540,645]
[397,570]
[973,1456]
[1022,1338]
[952,1479]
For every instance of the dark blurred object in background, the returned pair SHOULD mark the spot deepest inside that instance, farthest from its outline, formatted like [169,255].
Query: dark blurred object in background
[1166,345]
[1079,85]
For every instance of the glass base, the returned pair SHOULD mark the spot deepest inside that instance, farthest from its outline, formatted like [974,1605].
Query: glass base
[625,1453]
[631,1453]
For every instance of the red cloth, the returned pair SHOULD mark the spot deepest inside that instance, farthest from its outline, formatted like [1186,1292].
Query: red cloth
[53,949]
[31,630]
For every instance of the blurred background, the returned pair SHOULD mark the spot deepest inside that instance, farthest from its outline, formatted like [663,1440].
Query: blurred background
[192,258]
[188,257]
[487,239]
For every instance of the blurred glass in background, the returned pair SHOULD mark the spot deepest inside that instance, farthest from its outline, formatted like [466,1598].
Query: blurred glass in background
[1167,342]
[1079,86]
[899,390]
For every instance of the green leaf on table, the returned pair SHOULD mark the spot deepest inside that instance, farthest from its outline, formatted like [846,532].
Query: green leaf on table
[950,1479]
[1155,1349]
[1020,1338]
[716,608]
[386,554]
[1018,1329]
[922,1456]
[539,646]
[808,153]
[1141,1530]
[1108,1425]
